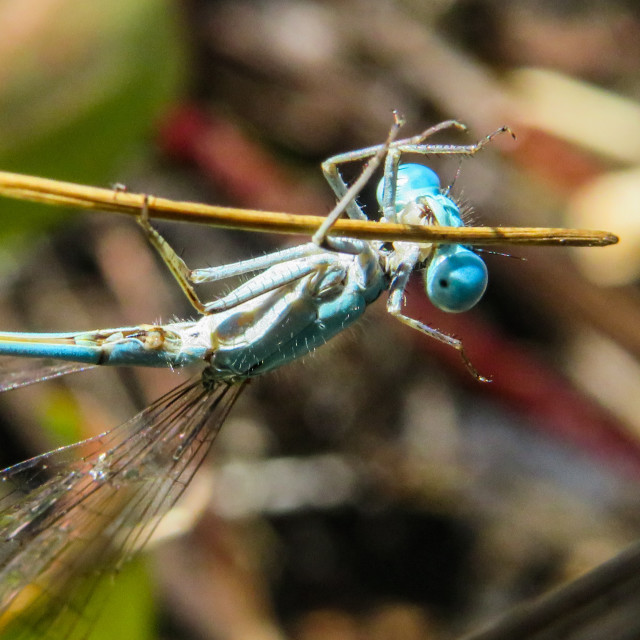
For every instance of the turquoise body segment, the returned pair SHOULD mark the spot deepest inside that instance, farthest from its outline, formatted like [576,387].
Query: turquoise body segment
[94,348]
[67,352]
[333,317]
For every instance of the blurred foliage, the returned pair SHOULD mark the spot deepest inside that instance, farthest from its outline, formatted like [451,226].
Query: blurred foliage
[60,417]
[129,611]
[82,84]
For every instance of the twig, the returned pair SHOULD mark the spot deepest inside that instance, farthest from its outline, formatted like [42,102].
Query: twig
[56,192]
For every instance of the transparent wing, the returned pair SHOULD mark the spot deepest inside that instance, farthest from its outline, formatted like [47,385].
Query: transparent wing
[76,513]
[21,372]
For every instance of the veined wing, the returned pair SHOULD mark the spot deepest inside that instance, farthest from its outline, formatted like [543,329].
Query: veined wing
[21,372]
[78,512]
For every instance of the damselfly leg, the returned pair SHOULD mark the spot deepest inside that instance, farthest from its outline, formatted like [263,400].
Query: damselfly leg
[455,276]
[286,266]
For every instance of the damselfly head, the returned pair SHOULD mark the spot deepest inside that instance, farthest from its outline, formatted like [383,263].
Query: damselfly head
[413,181]
[455,279]
[419,198]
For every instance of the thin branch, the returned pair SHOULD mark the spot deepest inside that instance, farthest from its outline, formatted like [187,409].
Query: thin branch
[68,194]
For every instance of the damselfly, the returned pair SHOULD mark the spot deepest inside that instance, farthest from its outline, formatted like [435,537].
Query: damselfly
[97,502]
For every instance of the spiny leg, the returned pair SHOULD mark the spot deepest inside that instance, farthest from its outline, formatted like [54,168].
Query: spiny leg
[287,266]
[213,274]
[450,149]
[449,187]
[394,307]
[413,145]
[185,276]
[444,338]
[330,167]
[348,195]
[430,131]
[278,276]
[392,161]
[176,264]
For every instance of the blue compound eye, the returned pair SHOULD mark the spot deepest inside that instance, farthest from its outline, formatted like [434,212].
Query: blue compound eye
[414,181]
[456,279]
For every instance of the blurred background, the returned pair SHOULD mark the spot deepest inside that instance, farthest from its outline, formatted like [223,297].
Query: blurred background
[374,490]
